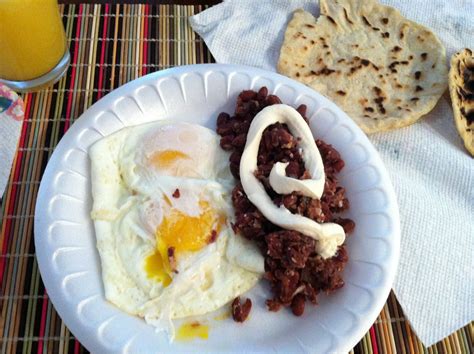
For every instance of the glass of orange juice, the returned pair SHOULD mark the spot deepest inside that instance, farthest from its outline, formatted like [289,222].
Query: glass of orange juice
[33,46]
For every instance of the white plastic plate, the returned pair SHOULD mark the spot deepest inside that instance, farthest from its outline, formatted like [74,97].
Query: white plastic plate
[65,241]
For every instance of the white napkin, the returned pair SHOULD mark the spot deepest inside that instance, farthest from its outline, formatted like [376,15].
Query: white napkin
[11,117]
[432,173]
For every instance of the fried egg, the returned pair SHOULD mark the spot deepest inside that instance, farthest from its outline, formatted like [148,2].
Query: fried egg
[162,213]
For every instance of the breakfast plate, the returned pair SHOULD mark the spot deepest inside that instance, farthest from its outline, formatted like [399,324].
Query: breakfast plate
[66,244]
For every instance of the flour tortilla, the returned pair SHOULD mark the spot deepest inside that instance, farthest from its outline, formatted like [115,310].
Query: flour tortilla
[382,69]
[461,88]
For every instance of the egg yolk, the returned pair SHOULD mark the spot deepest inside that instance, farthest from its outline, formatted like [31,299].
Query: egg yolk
[223,316]
[157,264]
[167,158]
[192,330]
[182,233]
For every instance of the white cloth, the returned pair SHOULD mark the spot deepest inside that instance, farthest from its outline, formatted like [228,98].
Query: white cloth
[432,173]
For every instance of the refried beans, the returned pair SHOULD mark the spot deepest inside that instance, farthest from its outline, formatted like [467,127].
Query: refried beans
[295,271]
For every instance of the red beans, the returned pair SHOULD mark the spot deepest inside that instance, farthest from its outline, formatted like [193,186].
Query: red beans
[262,93]
[248,95]
[302,110]
[297,304]
[226,142]
[223,118]
[295,271]
[239,141]
[240,311]
[235,157]
[347,224]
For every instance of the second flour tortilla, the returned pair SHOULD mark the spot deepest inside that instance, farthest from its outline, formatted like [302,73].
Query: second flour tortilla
[383,70]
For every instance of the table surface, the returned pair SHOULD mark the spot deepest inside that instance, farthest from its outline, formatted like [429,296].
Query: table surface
[149,2]
[112,44]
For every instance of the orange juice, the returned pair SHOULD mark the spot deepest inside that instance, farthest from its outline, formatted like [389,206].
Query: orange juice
[32,38]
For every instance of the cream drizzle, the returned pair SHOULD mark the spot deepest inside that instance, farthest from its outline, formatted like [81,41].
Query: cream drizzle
[328,235]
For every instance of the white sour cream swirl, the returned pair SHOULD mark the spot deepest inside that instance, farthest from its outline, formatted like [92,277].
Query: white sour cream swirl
[328,235]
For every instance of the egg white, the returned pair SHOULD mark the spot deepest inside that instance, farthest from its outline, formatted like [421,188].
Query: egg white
[130,199]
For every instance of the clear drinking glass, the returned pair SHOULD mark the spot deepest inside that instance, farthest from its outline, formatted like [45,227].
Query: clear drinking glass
[33,46]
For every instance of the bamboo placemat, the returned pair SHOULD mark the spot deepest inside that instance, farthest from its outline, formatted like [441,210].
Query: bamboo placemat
[111,45]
